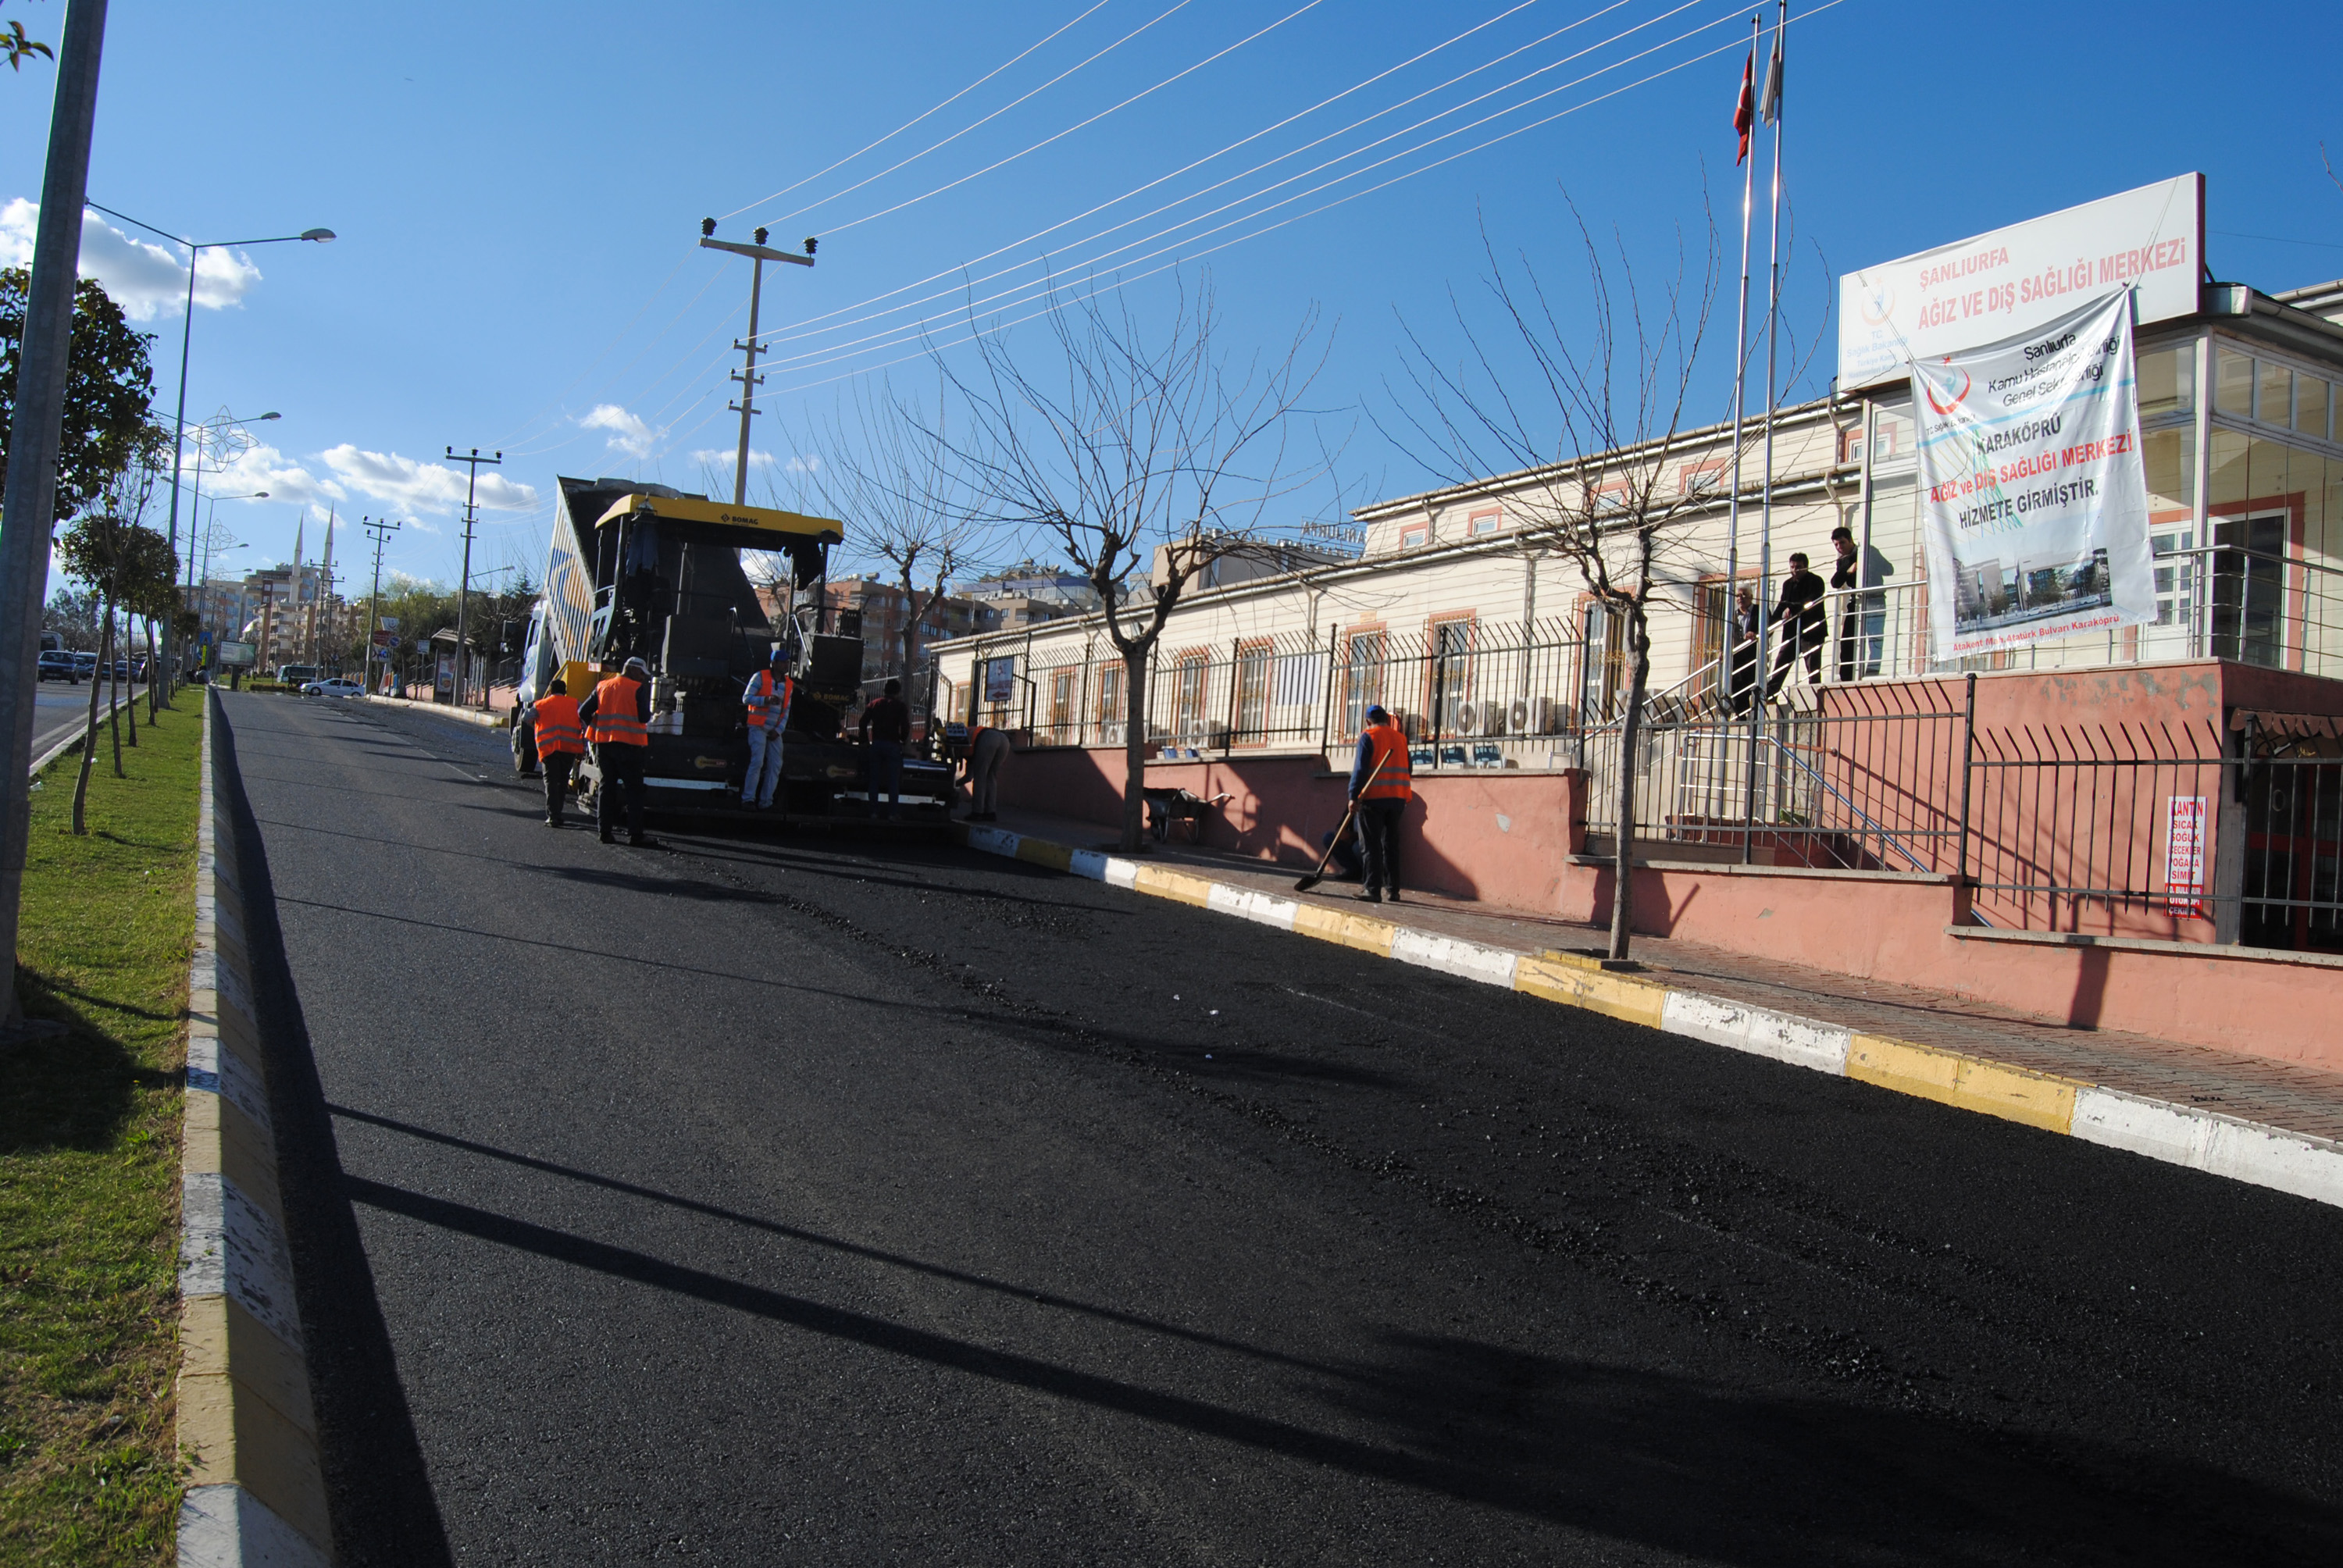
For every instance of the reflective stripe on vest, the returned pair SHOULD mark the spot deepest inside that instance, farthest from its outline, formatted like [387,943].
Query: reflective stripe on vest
[556,727]
[1388,768]
[766,705]
[614,714]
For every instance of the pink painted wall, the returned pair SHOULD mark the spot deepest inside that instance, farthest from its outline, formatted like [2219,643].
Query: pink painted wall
[1496,835]
[1875,928]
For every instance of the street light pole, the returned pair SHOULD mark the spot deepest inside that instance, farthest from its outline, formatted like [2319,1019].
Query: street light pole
[759,254]
[187,326]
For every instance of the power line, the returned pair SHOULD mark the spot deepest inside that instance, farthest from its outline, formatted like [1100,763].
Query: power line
[923,151]
[1021,293]
[1079,125]
[924,114]
[1122,282]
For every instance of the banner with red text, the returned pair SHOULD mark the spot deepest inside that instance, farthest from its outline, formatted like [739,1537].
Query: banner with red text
[2033,498]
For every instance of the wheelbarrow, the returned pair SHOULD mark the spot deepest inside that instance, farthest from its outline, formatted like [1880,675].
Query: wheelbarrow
[1166,808]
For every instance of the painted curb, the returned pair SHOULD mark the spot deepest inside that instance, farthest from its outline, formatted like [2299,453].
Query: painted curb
[2294,1163]
[438,709]
[256,1491]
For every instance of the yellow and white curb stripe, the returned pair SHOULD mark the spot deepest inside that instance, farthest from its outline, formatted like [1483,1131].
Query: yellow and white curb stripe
[256,1493]
[2306,1166]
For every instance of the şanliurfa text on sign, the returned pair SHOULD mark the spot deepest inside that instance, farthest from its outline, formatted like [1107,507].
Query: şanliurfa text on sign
[2013,280]
[2034,500]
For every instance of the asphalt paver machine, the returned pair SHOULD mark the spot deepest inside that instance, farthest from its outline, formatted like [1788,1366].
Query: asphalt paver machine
[641,570]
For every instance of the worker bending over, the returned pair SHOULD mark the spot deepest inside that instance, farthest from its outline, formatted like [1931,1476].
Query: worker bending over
[986,749]
[766,712]
[1379,792]
[560,742]
[617,719]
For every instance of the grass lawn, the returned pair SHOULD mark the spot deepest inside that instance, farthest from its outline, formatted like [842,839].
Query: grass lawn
[89,1162]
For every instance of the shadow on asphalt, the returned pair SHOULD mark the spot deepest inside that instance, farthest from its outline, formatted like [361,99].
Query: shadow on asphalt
[377,1488]
[1718,1474]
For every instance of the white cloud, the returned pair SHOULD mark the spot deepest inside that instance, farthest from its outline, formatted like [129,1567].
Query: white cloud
[629,433]
[724,457]
[421,486]
[803,465]
[266,469]
[146,279]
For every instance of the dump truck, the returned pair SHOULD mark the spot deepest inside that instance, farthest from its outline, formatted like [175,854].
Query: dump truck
[636,569]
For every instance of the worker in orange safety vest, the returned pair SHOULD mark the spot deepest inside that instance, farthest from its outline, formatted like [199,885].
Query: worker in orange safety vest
[766,712]
[1381,788]
[560,742]
[617,719]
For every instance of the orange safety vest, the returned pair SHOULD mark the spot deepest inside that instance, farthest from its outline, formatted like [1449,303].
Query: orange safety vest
[764,707]
[614,714]
[556,727]
[1388,768]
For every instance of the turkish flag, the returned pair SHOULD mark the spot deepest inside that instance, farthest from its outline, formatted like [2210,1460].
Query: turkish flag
[1744,110]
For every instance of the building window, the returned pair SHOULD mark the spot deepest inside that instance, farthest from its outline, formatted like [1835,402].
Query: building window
[1252,694]
[1416,538]
[1110,715]
[1062,708]
[1363,676]
[1483,525]
[1452,671]
[2167,381]
[1191,685]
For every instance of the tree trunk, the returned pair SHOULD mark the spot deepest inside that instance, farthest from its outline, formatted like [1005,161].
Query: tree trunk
[113,694]
[1631,729]
[88,754]
[129,636]
[1135,749]
[155,686]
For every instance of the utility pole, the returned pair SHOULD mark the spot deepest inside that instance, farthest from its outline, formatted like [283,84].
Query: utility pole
[759,253]
[464,594]
[35,432]
[379,529]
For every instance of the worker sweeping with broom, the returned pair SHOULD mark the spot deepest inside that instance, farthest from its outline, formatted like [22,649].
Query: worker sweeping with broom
[1381,788]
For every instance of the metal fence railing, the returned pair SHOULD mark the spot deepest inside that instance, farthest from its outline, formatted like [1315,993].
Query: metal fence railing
[1467,693]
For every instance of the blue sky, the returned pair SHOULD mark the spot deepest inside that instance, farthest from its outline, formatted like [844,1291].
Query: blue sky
[518,189]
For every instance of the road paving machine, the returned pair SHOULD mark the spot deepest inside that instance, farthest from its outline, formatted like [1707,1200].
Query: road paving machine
[641,570]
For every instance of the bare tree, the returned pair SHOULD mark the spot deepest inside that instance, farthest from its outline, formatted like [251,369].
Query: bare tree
[1580,432]
[895,477]
[1141,454]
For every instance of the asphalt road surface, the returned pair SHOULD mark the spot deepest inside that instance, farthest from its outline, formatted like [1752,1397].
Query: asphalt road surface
[59,710]
[825,1202]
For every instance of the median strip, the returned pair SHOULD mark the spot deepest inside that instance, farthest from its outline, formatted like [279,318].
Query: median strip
[2264,1156]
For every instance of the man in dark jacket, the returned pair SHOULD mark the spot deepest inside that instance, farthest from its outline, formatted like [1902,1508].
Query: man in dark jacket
[886,726]
[1799,614]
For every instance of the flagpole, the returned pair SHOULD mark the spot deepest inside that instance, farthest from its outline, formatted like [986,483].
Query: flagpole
[1740,374]
[1770,110]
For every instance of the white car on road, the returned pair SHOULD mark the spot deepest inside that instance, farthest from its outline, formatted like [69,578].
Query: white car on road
[337,686]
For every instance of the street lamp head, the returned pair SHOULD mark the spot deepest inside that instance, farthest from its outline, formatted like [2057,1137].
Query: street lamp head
[318,235]
[260,495]
[272,414]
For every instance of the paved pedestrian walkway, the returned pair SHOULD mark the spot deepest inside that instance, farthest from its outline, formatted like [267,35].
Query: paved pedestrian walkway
[2286,1095]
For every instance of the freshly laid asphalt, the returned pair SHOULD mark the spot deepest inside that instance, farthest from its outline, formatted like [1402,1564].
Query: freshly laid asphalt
[826,1201]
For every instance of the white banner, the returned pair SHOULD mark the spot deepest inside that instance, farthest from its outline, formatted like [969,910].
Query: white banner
[2015,280]
[2033,501]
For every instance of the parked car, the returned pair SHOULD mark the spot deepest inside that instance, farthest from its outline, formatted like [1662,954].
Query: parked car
[333,686]
[85,665]
[56,664]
